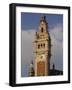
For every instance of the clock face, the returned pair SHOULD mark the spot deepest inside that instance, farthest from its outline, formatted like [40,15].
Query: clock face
[42,56]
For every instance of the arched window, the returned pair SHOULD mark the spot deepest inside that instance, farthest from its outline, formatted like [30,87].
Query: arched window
[38,46]
[44,45]
[42,29]
[41,45]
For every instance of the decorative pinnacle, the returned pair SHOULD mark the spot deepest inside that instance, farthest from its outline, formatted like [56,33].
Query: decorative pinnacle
[43,18]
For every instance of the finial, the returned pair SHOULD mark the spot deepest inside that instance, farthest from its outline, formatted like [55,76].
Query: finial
[43,18]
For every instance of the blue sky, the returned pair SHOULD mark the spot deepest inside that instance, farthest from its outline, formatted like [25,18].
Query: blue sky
[29,25]
[31,20]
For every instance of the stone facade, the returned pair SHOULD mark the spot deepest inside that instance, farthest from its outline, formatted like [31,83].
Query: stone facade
[42,52]
[42,49]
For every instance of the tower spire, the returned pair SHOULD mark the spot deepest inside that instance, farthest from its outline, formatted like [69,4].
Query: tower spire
[43,18]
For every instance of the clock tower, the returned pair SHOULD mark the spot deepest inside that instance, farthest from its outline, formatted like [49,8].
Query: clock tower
[42,49]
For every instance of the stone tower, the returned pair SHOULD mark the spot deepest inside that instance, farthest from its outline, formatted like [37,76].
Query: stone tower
[42,49]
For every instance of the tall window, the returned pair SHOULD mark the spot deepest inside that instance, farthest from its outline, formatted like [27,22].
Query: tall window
[41,45]
[44,45]
[38,46]
[41,29]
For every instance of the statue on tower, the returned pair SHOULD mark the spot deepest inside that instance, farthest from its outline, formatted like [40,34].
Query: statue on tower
[31,71]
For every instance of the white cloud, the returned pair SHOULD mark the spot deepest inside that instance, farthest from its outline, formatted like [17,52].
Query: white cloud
[27,44]
[27,39]
[56,34]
